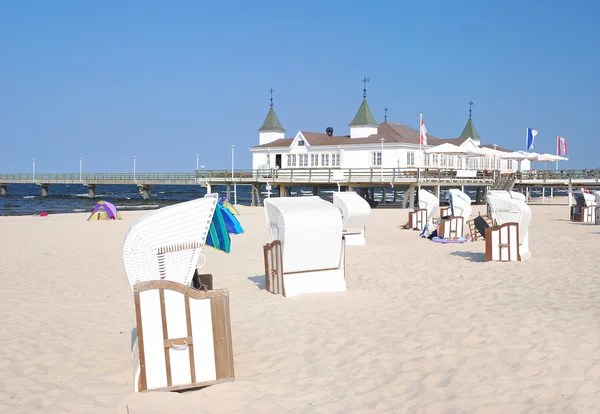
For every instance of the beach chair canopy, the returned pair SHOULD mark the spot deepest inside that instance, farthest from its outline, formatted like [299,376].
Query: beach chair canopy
[509,210]
[460,203]
[309,229]
[515,195]
[166,244]
[584,198]
[429,202]
[103,210]
[354,209]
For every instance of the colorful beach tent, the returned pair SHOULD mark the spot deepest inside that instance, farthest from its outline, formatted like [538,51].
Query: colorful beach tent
[104,211]
[223,223]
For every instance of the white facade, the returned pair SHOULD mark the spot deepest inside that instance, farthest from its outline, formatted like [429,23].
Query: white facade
[394,155]
[362,131]
[268,137]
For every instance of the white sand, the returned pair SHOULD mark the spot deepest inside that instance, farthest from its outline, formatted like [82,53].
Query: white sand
[423,327]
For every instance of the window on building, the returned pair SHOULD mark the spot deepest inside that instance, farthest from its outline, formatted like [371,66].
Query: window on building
[498,164]
[303,160]
[314,160]
[434,161]
[291,160]
[442,160]
[509,164]
[300,142]
[410,159]
[376,159]
[335,160]
[451,161]
[325,160]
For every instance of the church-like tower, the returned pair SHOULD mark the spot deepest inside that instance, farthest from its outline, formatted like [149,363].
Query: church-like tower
[470,131]
[363,124]
[271,130]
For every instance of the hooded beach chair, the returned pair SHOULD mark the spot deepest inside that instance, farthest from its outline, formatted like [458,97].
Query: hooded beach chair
[453,226]
[308,248]
[355,211]
[584,211]
[508,239]
[431,204]
[183,335]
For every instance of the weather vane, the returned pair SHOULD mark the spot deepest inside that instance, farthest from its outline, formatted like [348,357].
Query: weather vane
[385,117]
[271,91]
[365,80]
[470,105]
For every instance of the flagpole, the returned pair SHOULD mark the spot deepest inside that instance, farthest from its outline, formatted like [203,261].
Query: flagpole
[421,155]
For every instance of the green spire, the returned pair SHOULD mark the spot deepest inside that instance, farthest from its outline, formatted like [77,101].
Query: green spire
[470,131]
[271,123]
[364,117]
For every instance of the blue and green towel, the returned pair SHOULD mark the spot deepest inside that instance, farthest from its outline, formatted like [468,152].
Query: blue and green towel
[223,223]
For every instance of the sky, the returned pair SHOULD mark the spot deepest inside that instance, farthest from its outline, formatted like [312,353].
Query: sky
[165,80]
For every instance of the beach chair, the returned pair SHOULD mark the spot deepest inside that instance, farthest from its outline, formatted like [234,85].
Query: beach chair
[508,239]
[444,211]
[308,248]
[453,226]
[355,212]
[183,335]
[417,219]
[429,202]
[597,197]
[585,209]
[167,243]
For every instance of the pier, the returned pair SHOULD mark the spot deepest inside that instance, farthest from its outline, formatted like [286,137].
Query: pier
[362,179]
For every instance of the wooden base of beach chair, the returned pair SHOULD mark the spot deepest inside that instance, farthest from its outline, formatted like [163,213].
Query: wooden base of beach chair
[502,243]
[586,214]
[183,337]
[444,211]
[417,219]
[277,281]
[473,228]
[452,228]
[355,239]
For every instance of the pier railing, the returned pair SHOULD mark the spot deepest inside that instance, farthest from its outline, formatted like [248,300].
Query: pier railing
[305,176]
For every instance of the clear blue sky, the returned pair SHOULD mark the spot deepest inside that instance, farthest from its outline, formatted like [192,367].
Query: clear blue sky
[107,80]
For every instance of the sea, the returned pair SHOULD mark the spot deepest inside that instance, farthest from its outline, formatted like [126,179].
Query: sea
[26,199]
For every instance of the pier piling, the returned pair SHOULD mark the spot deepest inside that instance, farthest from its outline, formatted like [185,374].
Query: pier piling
[91,191]
[44,188]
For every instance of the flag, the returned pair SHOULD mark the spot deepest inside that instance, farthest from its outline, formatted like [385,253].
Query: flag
[531,133]
[561,145]
[423,132]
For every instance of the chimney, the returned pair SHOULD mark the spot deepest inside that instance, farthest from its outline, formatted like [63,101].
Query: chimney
[329,131]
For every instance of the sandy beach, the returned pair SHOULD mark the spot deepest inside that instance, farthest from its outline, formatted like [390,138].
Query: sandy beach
[422,328]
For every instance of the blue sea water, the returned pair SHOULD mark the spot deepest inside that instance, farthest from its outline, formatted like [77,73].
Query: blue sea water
[26,199]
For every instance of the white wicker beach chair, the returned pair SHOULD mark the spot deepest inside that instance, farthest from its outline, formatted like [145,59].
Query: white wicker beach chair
[166,244]
[508,239]
[585,209]
[183,335]
[355,212]
[460,203]
[307,252]
[431,203]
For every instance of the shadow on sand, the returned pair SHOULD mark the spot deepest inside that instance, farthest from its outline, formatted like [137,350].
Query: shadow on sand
[259,281]
[475,257]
